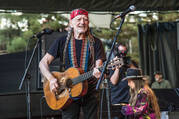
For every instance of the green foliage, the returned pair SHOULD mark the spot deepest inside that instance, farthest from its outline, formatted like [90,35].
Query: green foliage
[17,44]
[128,32]
[15,33]
[27,34]
[3,42]
[20,28]
[103,33]
[34,25]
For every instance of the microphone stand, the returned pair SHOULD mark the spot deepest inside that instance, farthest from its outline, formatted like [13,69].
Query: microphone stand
[27,77]
[106,63]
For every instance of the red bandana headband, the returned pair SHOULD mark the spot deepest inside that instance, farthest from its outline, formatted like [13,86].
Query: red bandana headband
[77,12]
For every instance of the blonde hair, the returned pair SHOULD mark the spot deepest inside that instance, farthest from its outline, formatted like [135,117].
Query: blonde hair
[139,83]
[134,92]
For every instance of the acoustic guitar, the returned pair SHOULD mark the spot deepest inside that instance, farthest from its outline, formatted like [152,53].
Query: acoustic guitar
[72,84]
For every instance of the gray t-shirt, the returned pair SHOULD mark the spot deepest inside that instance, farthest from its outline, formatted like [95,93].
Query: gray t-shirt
[162,85]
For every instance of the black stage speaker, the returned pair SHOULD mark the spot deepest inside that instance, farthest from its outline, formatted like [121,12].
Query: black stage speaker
[12,68]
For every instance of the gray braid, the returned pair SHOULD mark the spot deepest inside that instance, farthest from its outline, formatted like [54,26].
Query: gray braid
[66,43]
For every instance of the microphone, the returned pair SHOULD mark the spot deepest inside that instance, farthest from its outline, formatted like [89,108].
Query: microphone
[130,9]
[44,31]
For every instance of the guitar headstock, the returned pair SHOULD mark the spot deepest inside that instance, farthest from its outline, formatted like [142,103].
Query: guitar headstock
[116,62]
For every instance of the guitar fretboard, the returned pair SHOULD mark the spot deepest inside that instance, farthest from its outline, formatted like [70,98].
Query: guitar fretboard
[82,77]
[89,74]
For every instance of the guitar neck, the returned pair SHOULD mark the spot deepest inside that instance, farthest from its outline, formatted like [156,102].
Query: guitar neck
[82,77]
[89,74]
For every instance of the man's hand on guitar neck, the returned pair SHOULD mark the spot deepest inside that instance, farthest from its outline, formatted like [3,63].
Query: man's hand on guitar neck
[53,85]
[96,72]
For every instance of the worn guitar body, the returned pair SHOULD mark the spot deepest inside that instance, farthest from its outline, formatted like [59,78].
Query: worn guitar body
[72,83]
[63,97]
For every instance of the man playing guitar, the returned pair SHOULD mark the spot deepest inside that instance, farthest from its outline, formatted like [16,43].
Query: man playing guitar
[80,50]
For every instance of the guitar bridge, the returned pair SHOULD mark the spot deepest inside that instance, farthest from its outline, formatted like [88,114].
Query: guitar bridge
[61,94]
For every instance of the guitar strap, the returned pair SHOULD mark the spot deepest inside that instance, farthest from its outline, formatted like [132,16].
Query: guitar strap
[66,44]
[91,40]
[91,47]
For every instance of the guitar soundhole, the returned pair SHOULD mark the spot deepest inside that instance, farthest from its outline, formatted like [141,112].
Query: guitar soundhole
[61,93]
[64,84]
[69,83]
[61,90]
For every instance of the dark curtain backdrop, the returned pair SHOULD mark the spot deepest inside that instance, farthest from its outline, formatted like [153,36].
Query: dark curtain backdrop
[158,50]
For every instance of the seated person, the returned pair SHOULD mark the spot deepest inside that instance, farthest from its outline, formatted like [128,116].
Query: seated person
[143,102]
[160,83]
